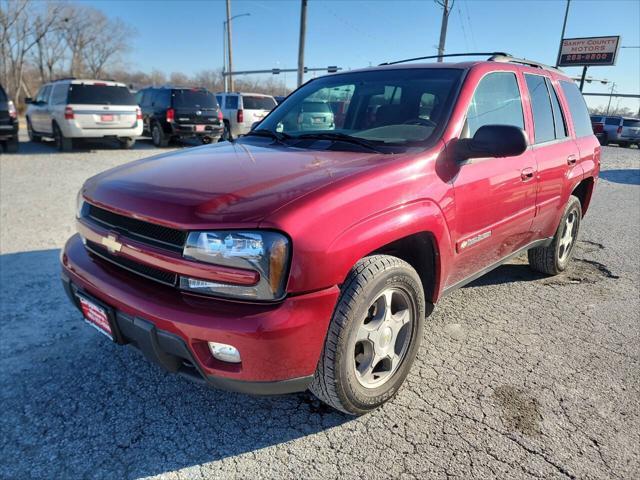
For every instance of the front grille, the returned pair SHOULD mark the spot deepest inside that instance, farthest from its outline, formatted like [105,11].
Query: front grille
[145,232]
[146,271]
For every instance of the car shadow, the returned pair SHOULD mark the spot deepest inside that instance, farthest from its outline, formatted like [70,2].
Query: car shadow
[81,406]
[627,176]
[507,273]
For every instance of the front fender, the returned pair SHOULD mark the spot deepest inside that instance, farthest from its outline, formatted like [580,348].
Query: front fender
[376,231]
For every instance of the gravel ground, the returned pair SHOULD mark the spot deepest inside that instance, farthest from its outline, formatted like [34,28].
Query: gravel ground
[519,376]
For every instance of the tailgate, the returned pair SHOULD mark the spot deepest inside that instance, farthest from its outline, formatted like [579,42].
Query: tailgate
[207,116]
[104,117]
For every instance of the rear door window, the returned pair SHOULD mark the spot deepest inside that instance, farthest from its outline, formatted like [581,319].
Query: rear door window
[558,117]
[59,94]
[187,98]
[541,108]
[496,101]
[231,102]
[97,94]
[258,103]
[578,109]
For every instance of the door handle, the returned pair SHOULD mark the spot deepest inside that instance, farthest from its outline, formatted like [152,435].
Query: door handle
[571,160]
[527,174]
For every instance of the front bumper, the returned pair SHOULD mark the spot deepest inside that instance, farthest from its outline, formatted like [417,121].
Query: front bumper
[279,344]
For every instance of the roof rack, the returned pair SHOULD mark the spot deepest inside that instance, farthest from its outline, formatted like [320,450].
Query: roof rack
[493,57]
[477,54]
[501,57]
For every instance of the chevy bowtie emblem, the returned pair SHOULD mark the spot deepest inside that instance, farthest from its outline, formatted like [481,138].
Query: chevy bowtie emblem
[112,243]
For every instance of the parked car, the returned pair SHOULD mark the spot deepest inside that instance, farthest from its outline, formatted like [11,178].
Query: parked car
[242,110]
[314,115]
[597,124]
[8,123]
[298,259]
[177,113]
[71,109]
[623,131]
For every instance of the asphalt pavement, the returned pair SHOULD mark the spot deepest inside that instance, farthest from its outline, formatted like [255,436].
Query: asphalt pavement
[518,376]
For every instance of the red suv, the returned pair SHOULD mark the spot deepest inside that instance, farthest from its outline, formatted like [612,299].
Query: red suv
[296,259]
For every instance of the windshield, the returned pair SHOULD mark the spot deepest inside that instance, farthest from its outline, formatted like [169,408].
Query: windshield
[258,103]
[396,106]
[82,94]
[194,99]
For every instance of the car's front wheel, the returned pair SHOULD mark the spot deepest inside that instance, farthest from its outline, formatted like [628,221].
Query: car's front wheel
[373,337]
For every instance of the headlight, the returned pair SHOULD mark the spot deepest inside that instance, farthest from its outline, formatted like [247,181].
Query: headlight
[264,252]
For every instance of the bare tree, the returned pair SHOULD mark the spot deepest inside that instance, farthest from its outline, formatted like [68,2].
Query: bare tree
[50,51]
[22,26]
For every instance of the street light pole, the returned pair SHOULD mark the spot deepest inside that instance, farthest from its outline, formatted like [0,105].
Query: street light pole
[230,61]
[564,26]
[226,43]
[303,32]
[443,27]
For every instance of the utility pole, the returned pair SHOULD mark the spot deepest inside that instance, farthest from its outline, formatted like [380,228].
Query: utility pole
[613,86]
[443,27]
[303,31]
[230,61]
[564,26]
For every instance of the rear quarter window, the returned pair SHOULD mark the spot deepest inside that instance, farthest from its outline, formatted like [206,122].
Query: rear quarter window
[87,94]
[578,109]
[231,102]
[258,103]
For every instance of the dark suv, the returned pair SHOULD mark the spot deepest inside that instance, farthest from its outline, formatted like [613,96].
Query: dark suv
[295,258]
[8,123]
[172,113]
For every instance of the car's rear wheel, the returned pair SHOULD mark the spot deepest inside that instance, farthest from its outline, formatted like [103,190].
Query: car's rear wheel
[158,137]
[127,143]
[554,258]
[373,337]
[226,133]
[623,144]
[63,143]
[11,146]
[33,136]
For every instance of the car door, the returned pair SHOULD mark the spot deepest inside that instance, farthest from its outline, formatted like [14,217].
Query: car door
[556,153]
[40,116]
[494,197]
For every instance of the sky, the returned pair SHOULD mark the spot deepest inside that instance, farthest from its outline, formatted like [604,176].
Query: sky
[186,36]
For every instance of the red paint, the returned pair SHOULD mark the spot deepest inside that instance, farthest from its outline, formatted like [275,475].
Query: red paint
[336,207]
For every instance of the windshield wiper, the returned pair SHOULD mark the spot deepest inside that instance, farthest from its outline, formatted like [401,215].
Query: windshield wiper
[263,132]
[340,137]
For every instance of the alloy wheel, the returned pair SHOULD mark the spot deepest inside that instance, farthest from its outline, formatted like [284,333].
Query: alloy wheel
[569,232]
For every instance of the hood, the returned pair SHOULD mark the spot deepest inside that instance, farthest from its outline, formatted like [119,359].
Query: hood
[226,183]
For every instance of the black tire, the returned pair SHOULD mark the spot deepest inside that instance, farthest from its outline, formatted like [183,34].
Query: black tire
[226,133]
[63,143]
[158,136]
[623,144]
[335,381]
[33,137]
[11,146]
[126,143]
[554,258]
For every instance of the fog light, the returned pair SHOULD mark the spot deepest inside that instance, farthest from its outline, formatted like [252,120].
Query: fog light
[224,352]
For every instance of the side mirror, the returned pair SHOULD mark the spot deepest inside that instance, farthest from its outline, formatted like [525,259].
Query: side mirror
[28,100]
[493,141]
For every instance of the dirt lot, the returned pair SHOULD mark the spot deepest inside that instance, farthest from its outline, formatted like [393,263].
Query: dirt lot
[519,376]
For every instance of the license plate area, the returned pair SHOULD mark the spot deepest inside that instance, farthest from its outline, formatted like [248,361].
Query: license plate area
[98,315]
[107,118]
[200,128]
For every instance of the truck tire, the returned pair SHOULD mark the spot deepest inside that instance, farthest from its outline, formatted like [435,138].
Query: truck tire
[11,146]
[373,337]
[63,143]
[158,137]
[554,258]
[126,143]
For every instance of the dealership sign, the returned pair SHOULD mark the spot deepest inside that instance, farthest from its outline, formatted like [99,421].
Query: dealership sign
[582,52]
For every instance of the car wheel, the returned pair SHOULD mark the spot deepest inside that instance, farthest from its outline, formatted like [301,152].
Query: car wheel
[12,146]
[63,143]
[226,133]
[126,143]
[623,144]
[158,137]
[554,258]
[373,337]
[33,137]
[205,140]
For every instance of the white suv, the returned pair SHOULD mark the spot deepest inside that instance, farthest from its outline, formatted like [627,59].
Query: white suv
[242,110]
[72,109]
